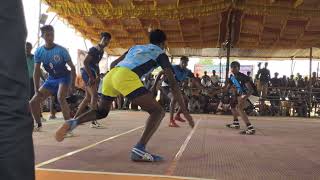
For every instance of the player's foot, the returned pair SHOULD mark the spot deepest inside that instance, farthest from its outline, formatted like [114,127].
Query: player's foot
[141,155]
[37,129]
[173,124]
[69,134]
[65,128]
[249,131]
[52,117]
[178,118]
[43,119]
[233,126]
[96,125]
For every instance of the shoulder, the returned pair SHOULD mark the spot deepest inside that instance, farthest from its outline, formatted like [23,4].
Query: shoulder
[61,48]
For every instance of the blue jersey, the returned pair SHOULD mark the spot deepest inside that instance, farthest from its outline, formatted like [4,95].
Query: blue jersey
[182,74]
[143,59]
[53,60]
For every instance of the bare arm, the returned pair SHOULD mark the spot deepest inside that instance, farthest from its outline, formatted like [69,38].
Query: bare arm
[73,74]
[86,64]
[36,76]
[115,62]
[249,89]
[161,73]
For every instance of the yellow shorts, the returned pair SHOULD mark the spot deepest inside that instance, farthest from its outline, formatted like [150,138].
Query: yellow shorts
[121,80]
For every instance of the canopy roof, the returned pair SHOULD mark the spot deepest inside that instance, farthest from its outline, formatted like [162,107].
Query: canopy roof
[261,28]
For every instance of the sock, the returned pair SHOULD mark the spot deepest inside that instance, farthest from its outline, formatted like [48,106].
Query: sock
[140,146]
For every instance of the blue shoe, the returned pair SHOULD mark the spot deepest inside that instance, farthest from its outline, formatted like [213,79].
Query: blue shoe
[141,155]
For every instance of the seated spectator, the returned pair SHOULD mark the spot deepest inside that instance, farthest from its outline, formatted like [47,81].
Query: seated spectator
[275,82]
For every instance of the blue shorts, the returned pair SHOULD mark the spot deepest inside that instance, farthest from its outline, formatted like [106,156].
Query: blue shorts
[52,84]
[85,75]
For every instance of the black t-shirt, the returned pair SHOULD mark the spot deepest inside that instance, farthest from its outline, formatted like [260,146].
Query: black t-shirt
[275,82]
[96,53]
[264,75]
[239,81]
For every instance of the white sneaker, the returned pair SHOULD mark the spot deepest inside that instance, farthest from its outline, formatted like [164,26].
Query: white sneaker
[96,125]
[69,134]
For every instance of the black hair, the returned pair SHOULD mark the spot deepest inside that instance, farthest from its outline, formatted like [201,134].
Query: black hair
[105,35]
[235,63]
[184,58]
[46,28]
[28,44]
[157,36]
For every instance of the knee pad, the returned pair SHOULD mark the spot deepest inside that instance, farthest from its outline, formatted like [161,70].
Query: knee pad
[101,113]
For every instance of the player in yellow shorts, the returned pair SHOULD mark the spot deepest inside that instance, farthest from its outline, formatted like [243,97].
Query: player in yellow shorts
[125,78]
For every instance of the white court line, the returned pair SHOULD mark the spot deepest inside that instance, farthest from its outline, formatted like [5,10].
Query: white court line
[120,174]
[85,148]
[174,162]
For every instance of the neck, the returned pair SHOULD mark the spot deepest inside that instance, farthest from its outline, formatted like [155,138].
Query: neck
[49,45]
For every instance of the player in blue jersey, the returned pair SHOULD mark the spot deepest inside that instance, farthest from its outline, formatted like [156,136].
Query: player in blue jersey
[242,89]
[182,74]
[125,78]
[54,58]
[90,75]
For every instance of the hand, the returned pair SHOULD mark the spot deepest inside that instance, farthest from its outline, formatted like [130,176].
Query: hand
[91,82]
[189,118]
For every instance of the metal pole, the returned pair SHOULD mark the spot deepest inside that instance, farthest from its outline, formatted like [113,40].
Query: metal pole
[171,59]
[310,88]
[38,39]
[220,70]
[318,71]
[231,20]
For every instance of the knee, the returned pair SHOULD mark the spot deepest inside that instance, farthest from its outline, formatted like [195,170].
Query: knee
[101,113]
[34,100]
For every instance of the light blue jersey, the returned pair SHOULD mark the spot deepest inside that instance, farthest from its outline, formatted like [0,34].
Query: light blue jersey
[142,59]
[53,60]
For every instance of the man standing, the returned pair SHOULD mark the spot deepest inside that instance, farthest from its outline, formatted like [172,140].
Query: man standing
[242,91]
[30,63]
[264,77]
[16,145]
[54,59]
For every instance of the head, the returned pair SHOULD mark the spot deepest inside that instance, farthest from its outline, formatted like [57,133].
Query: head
[205,73]
[184,62]
[197,75]
[213,72]
[47,33]
[105,38]
[259,65]
[265,65]
[248,73]
[28,48]
[276,74]
[235,67]
[291,76]
[158,37]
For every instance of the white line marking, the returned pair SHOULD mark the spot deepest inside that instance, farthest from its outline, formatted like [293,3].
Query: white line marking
[174,162]
[120,174]
[85,148]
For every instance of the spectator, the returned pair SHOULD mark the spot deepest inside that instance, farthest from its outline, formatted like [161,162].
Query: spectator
[215,79]
[300,81]
[205,80]
[291,82]
[275,82]
[249,75]
[264,77]
[197,78]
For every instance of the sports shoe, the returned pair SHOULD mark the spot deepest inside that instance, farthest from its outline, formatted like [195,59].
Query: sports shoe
[141,155]
[52,117]
[233,126]
[178,118]
[96,125]
[43,119]
[173,124]
[249,131]
[65,128]
[69,134]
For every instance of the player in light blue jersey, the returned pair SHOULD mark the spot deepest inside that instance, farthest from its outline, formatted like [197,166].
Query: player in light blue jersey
[54,58]
[125,78]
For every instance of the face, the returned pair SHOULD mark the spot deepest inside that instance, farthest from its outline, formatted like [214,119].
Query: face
[205,73]
[48,37]
[183,64]
[213,72]
[104,42]
[234,69]
[28,49]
